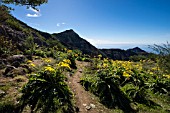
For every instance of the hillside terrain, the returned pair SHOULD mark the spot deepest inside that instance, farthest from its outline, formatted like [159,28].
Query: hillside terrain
[64,73]
[18,32]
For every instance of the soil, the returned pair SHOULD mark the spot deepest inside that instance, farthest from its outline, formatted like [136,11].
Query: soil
[84,100]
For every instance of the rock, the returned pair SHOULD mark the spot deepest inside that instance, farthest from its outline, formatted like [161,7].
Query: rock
[92,105]
[88,107]
[80,70]
[2,93]
[26,67]
[19,71]
[19,58]
[11,71]
[2,63]
[85,105]
[8,69]
[16,64]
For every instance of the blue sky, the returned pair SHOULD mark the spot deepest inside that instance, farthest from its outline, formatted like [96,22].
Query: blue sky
[105,23]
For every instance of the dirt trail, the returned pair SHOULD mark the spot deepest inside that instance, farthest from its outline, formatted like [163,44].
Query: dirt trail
[85,101]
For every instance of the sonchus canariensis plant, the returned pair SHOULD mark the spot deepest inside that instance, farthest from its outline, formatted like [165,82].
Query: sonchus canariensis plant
[47,92]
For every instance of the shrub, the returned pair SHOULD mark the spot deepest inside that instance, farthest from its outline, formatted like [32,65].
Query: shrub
[47,92]
[7,47]
[7,107]
[164,56]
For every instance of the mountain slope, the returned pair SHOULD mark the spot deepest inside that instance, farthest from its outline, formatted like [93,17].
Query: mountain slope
[73,41]
[18,32]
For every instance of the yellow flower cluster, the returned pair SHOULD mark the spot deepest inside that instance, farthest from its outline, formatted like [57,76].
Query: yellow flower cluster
[49,69]
[47,60]
[167,76]
[29,61]
[32,65]
[76,55]
[125,74]
[63,64]
[100,56]
[65,49]
[105,65]
[67,61]
[69,51]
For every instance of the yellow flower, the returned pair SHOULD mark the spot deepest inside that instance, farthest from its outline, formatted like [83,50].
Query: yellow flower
[167,76]
[105,60]
[154,68]
[65,49]
[76,55]
[151,73]
[47,60]
[63,64]
[126,74]
[67,61]
[129,71]
[29,61]
[100,56]
[32,65]
[69,51]
[105,65]
[49,69]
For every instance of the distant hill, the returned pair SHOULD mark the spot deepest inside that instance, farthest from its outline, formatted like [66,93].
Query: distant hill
[137,50]
[119,54]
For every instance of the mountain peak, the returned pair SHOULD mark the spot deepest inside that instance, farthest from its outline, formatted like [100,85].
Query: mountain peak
[137,50]
[72,40]
[69,31]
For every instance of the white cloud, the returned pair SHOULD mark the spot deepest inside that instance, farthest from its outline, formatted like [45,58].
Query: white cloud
[36,13]
[32,15]
[59,24]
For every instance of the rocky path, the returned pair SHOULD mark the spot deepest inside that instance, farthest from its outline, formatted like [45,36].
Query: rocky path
[84,100]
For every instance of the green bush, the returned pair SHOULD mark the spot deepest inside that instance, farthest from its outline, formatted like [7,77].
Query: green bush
[163,52]
[7,48]
[7,107]
[104,86]
[47,92]
[14,24]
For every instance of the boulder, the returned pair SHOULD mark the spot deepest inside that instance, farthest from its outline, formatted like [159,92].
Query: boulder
[2,93]
[2,63]
[16,64]
[16,71]
[19,58]
[8,69]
